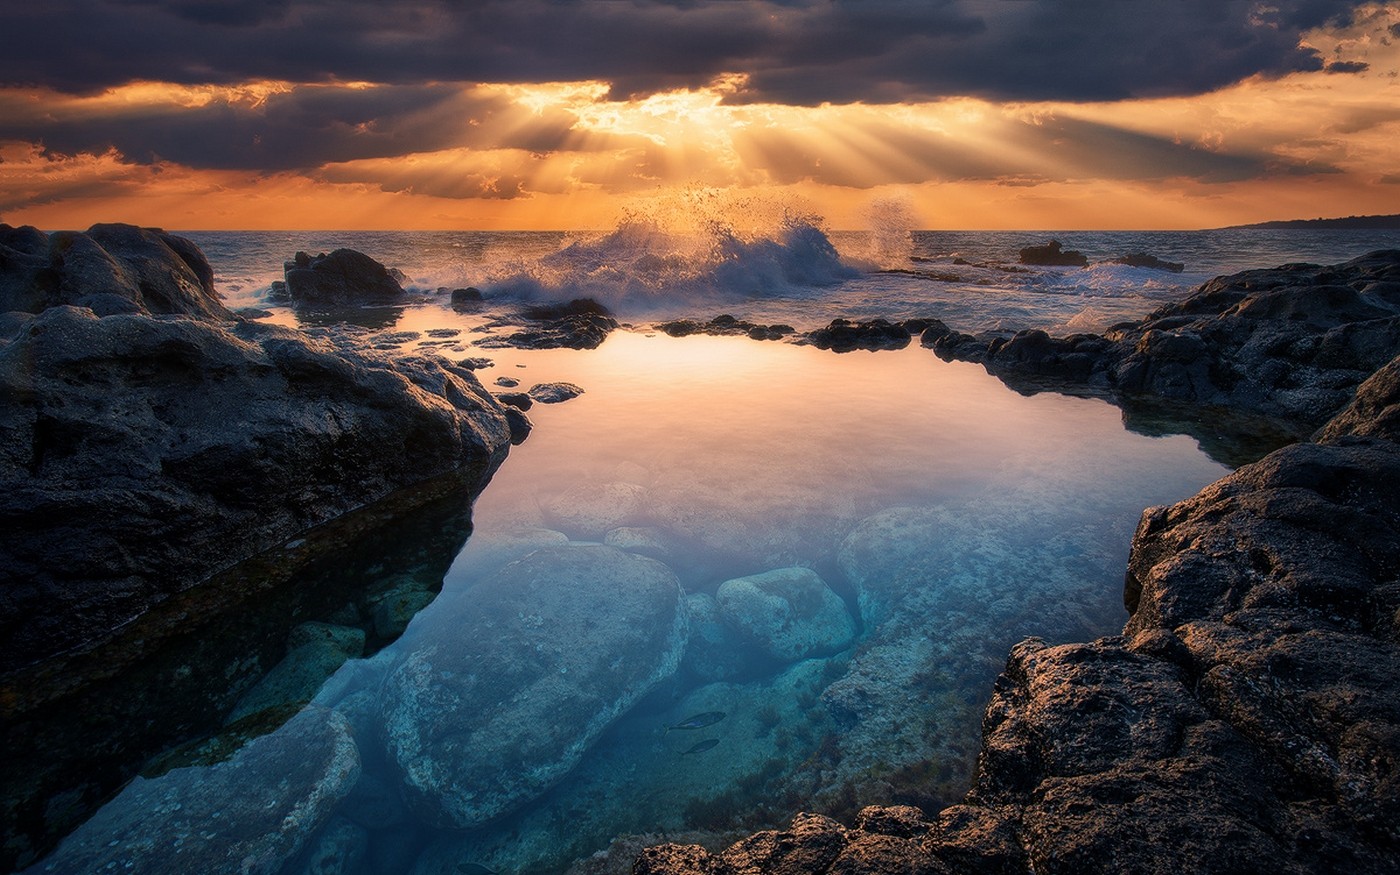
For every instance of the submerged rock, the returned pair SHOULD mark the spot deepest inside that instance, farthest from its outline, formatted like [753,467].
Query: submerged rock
[554,393]
[344,278]
[141,455]
[591,510]
[1247,720]
[547,654]
[787,613]
[247,816]
[714,652]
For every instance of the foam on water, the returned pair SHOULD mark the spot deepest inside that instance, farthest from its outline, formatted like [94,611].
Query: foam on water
[646,266]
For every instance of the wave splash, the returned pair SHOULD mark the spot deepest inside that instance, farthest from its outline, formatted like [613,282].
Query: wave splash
[661,260]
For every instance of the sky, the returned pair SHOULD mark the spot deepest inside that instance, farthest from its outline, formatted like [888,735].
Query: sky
[550,114]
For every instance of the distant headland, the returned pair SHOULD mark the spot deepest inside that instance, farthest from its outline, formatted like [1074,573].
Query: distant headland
[1350,223]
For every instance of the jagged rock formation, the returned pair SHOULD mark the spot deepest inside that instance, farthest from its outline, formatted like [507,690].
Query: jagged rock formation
[109,269]
[140,453]
[1246,720]
[1291,342]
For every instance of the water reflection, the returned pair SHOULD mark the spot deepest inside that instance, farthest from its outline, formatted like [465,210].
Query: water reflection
[226,661]
[720,493]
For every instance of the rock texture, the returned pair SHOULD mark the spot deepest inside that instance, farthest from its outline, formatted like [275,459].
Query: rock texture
[344,278]
[1247,719]
[140,453]
[1292,342]
[548,653]
[577,324]
[787,613]
[225,819]
[109,269]
[1053,255]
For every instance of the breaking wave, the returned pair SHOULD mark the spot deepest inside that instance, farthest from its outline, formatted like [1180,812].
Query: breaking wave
[647,265]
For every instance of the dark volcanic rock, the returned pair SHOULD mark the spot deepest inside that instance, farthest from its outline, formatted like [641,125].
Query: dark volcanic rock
[466,300]
[1053,256]
[1152,262]
[344,278]
[577,324]
[549,652]
[1291,343]
[1247,720]
[140,455]
[843,335]
[110,269]
[725,325]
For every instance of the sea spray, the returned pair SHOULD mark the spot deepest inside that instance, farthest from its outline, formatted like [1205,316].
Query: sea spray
[679,255]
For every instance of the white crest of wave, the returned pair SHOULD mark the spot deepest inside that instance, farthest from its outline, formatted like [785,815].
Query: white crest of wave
[698,247]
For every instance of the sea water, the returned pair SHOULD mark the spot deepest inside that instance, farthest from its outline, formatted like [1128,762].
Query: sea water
[950,515]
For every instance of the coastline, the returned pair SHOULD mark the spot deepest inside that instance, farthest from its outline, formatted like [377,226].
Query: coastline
[1033,664]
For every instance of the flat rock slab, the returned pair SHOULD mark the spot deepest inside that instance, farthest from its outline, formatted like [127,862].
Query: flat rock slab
[546,655]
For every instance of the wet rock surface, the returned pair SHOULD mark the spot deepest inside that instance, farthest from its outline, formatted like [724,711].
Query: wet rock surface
[1053,254]
[1246,720]
[548,652]
[144,453]
[723,326]
[1291,342]
[141,455]
[579,324]
[344,278]
[844,335]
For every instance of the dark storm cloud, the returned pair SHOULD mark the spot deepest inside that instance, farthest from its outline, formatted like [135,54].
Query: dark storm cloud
[306,127]
[799,51]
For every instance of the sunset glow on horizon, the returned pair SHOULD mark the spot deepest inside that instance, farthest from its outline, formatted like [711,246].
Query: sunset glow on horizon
[347,150]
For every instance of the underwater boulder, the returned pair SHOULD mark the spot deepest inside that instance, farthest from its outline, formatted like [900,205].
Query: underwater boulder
[883,545]
[554,393]
[714,652]
[542,658]
[591,510]
[248,815]
[788,613]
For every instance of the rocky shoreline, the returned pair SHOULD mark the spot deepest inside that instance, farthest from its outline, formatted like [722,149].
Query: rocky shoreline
[1246,719]
[151,438]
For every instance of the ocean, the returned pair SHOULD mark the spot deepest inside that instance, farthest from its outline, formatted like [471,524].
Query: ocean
[936,515]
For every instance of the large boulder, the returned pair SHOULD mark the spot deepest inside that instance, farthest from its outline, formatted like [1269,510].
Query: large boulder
[344,278]
[140,455]
[248,815]
[787,613]
[546,654]
[110,269]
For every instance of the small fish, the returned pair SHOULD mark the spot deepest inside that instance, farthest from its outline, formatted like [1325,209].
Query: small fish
[699,721]
[701,746]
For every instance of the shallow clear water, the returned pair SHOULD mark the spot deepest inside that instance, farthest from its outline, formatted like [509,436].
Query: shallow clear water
[945,516]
